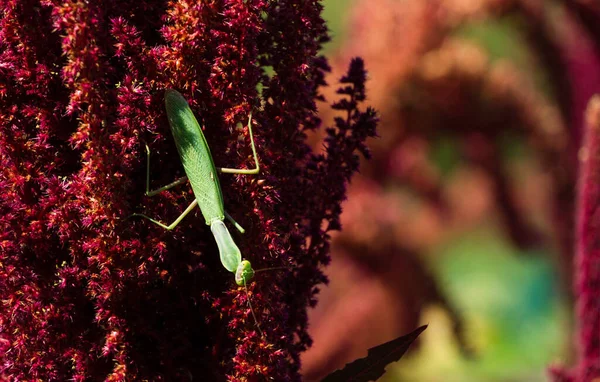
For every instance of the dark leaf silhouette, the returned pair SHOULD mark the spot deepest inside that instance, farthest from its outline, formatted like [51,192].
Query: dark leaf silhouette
[371,367]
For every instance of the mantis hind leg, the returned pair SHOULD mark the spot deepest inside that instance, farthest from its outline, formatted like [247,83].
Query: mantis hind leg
[177,221]
[250,171]
[164,188]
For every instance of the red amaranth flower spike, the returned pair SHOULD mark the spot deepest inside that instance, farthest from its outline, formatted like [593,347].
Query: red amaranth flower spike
[88,295]
[587,256]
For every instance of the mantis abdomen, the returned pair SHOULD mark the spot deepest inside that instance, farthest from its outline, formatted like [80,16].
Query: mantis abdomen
[195,156]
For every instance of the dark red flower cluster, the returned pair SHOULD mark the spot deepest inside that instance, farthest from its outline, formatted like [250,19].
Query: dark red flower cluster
[87,294]
[587,256]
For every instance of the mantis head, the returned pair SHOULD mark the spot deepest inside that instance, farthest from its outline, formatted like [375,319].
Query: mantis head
[244,273]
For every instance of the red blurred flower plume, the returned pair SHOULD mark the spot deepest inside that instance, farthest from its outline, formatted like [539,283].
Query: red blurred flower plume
[88,295]
[587,256]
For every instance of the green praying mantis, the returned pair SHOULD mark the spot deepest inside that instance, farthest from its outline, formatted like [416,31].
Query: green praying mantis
[201,171]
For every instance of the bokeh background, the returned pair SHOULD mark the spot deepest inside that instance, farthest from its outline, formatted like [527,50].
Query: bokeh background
[464,217]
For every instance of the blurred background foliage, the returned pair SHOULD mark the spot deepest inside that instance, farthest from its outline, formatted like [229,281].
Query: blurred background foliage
[463,220]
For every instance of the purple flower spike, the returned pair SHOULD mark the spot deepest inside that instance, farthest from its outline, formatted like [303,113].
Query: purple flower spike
[587,257]
[87,294]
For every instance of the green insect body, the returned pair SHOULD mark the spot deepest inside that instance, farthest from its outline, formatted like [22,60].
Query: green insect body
[195,157]
[201,171]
